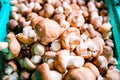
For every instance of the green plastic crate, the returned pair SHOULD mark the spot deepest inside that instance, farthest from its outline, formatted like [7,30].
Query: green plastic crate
[4,18]
[114,11]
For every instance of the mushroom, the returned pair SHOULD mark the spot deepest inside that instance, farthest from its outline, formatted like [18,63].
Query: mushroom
[49,57]
[102,64]
[84,11]
[91,31]
[55,75]
[24,39]
[105,28]
[76,19]
[81,2]
[32,15]
[80,74]
[13,65]
[67,8]
[70,38]
[15,15]
[22,22]
[24,75]
[35,20]
[38,49]
[91,6]
[48,30]
[27,64]
[37,7]
[3,46]
[112,74]
[25,9]
[90,47]
[93,68]
[42,73]
[75,6]
[10,74]
[61,60]
[13,50]
[60,18]
[107,52]
[12,24]
[64,60]
[59,10]
[47,11]
[13,76]
[36,59]
[55,45]
[27,36]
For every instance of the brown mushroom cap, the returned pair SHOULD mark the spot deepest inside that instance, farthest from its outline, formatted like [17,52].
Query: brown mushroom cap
[70,37]
[93,68]
[100,44]
[112,74]
[76,19]
[81,73]
[61,60]
[42,73]
[24,39]
[14,50]
[48,30]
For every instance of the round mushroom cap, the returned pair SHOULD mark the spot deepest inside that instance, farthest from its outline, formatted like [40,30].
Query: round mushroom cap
[42,73]
[81,73]
[93,68]
[48,30]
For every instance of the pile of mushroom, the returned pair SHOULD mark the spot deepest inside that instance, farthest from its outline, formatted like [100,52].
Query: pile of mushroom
[59,40]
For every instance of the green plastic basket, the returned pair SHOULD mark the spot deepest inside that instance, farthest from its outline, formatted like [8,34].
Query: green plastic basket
[114,10]
[4,18]
[113,7]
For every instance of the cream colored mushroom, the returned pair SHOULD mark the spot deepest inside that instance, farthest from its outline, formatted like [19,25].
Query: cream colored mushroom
[48,30]
[32,15]
[89,48]
[64,60]
[91,6]
[24,8]
[38,49]
[24,39]
[49,57]
[35,20]
[55,45]
[60,18]
[42,73]
[27,36]
[112,74]
[70,38]
[105,28]
[13,65]
[47,11]
[93,68]
[76,19]
[37,7]
[59,10]
[55,75]
[102,64]
[27,64]
[15,15]
[108,53]
[13,50]
[80,74]
[24,75]
[36,59]
[3,46]
[75,6]
[67,8]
